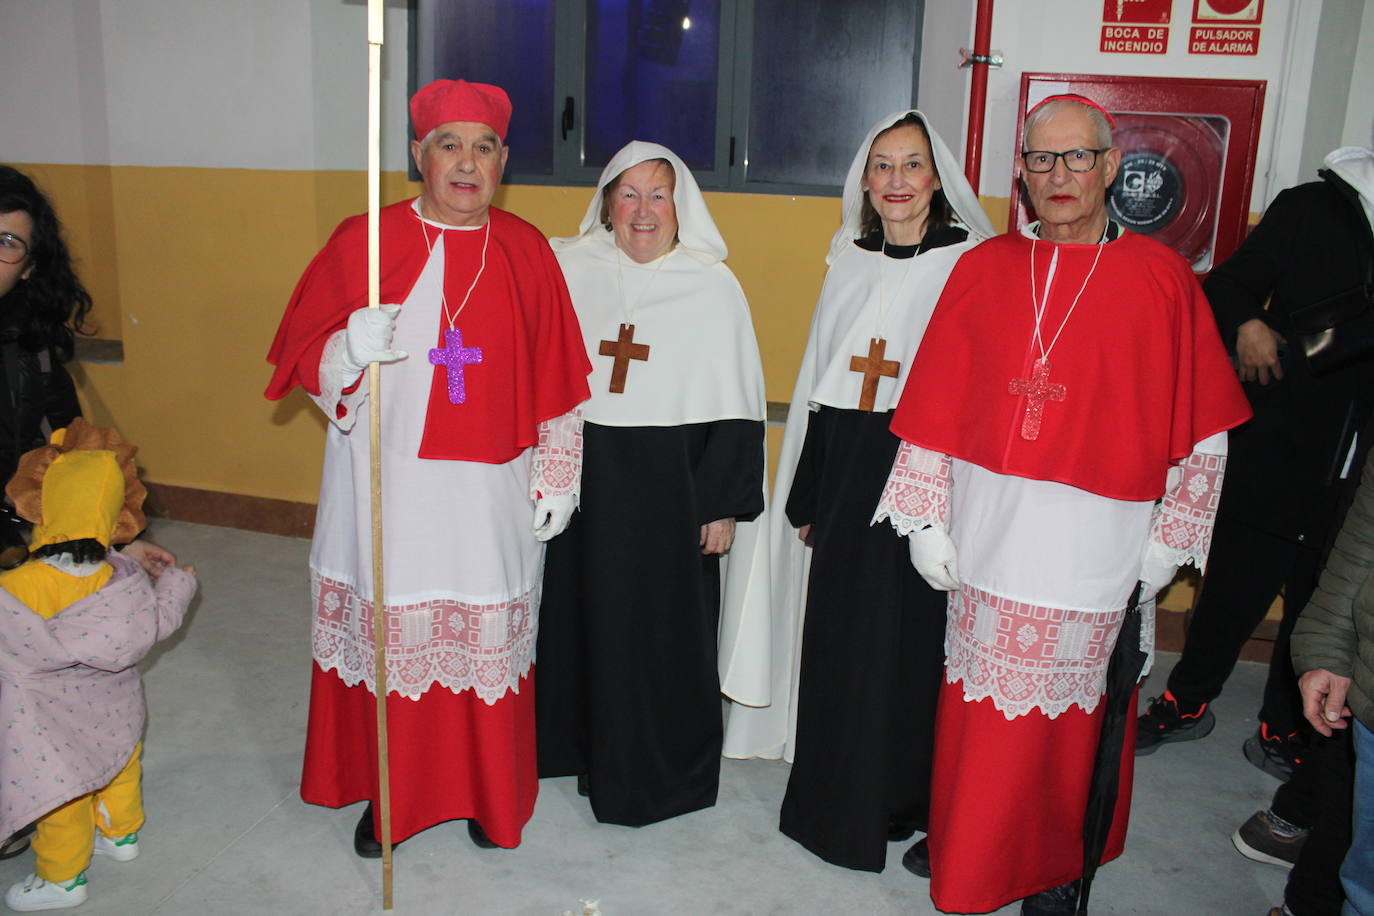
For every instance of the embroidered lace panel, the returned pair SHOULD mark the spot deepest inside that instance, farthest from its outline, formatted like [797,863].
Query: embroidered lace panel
[917,490]
[1188,512]
[485,648]
[556,468]
[1027,657]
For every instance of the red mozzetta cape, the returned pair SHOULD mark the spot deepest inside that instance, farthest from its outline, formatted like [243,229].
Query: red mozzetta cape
[1145,374]
[534,366]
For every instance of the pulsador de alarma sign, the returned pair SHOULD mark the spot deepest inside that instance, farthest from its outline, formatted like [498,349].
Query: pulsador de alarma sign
[1226,27]
[1220,39]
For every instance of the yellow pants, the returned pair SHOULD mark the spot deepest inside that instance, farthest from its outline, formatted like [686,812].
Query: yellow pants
[65,838]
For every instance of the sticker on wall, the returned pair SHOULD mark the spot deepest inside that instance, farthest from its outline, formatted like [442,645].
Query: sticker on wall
[1169,184]
[1250,12]
[1135,26]
[1226,27]
[1147,12]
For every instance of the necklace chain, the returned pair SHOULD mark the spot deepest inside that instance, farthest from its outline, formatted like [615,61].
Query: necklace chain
[882,286]
[1038,304]
[629,307]
[452,318]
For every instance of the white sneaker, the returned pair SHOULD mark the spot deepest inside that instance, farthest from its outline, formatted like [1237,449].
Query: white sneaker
[33,893]
[119,848]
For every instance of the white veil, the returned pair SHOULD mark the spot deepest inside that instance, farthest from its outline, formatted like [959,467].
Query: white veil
[960,194]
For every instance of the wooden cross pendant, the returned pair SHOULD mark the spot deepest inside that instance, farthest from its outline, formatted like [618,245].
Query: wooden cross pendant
[453,356]
[624,349]
[872,367]
[1038,389]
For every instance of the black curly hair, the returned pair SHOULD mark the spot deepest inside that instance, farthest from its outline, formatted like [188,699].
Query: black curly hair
[81,550]
[51,306]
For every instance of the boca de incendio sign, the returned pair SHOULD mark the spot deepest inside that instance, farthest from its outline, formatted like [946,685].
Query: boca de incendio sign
[1135,26]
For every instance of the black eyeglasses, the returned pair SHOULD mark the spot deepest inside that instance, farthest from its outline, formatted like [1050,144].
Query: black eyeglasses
[1075,160]
[13,249]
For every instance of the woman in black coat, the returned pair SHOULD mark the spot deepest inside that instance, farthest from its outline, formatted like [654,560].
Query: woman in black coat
[42,305]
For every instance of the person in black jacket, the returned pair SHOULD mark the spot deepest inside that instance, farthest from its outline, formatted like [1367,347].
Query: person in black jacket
[1291,473]
[42,304]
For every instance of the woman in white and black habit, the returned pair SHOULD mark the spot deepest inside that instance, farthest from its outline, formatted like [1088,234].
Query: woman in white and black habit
[868,629]
[628,689]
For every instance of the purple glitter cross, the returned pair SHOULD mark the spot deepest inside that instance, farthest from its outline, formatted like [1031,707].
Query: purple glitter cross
[453,356]
[1038,389]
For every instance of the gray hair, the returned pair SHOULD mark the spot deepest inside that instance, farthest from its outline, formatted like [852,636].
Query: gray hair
[1101,128]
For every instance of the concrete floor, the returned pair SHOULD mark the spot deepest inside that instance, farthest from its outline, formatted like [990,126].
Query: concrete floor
[227,833]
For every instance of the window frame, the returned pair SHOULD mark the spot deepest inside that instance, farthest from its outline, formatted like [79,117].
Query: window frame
[733,102]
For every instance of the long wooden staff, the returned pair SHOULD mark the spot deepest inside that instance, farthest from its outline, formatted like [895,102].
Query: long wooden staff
[374,387]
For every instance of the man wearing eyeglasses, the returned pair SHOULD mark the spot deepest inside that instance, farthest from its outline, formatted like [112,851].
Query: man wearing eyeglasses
[1071,377]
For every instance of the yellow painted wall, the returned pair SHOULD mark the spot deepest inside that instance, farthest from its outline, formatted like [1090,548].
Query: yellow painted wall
[191,268]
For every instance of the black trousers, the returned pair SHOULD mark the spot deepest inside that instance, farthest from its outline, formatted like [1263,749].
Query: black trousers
[1245,570]
[1319,797]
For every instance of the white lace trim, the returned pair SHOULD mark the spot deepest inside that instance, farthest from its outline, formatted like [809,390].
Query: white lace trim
[917,490]
[1147,634]
[556,468]
[485,648]
[336,375]
[1027,657]
[1188,513]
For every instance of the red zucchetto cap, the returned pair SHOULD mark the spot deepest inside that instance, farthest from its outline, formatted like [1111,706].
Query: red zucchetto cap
[443,101]
[1080,99]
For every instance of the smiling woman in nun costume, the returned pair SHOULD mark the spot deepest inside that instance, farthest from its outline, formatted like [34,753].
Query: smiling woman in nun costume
[857,633]
[630,670]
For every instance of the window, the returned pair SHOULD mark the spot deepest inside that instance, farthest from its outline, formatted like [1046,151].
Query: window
[755,95]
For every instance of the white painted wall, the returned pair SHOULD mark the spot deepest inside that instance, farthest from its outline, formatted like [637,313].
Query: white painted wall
[943,90]
[258,84]
[1063,36]
[281,83]
[1359,117]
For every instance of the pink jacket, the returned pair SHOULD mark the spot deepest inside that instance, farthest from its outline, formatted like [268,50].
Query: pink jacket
[71,700]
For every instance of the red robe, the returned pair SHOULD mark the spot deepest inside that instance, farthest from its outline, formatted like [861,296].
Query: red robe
[1145,374]
[533,367]
[451,754]
[1145,379]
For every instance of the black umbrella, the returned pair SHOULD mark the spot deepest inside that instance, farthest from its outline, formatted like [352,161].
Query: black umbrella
[1123,671]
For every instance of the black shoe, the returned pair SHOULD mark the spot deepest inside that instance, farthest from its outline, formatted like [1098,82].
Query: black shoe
[1268,838]
[899,830]
[917,859]
[1057,901]
[479,836]
[1164,722]
[17,843]
[1274,754]
[365,842]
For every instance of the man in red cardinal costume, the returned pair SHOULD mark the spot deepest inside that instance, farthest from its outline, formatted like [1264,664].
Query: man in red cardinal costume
[483,370]
[1064,426]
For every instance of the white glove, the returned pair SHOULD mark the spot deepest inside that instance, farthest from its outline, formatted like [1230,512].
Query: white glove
[933,555]
[552,514]
[368,339]
[1157,569]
